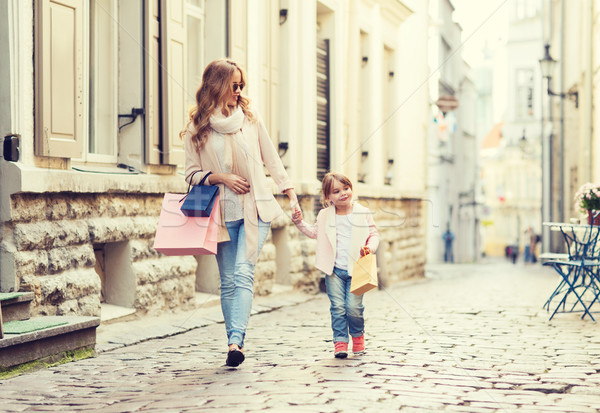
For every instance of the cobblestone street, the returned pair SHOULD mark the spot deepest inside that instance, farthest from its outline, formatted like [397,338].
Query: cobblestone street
[470,338]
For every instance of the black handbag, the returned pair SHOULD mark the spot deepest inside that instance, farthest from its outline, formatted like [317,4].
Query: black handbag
[200,200]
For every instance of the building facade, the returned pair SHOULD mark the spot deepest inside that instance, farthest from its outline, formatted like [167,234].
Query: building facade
[512,168]
[95,94]
[452,145]
[571,136]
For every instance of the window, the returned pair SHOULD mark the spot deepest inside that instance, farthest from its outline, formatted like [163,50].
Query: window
[176,54]
[526,9]
[388,104]
[524,93]
[195,48]
[103,81]
[89,66]
[447,71]
[76,79]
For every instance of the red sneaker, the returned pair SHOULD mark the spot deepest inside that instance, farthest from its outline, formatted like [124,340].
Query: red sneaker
[341,350]
[358,344]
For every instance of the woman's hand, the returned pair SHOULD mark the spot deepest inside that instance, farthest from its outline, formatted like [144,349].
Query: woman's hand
[236,183]
[293,199]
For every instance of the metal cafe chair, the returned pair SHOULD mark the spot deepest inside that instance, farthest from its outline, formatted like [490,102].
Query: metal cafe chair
[579,269]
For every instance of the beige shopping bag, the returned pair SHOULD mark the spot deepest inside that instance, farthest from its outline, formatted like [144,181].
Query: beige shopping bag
[364,275]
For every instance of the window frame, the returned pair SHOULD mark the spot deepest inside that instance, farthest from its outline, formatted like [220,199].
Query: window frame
[90,31]
[524,93]
[199,13]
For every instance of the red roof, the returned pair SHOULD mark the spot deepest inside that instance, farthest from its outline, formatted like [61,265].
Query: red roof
[493,138]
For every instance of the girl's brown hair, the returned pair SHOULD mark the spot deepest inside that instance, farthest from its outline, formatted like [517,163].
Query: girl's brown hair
[215,87]
[327,185]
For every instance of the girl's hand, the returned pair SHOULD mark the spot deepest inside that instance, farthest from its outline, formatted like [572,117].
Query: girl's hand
[297,215]
[364,251]
[236,183]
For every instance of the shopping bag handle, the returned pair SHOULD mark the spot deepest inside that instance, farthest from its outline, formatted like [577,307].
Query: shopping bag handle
[190,184]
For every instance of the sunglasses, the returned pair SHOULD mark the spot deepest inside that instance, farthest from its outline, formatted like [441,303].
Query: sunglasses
[235,86]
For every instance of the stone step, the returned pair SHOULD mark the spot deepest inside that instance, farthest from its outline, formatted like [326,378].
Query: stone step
[110,313]
[76,333]
[15,306]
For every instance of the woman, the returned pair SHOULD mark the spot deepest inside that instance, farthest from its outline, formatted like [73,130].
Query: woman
[228,141]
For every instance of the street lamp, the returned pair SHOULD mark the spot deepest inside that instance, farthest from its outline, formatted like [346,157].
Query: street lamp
[523,142]
[548,64]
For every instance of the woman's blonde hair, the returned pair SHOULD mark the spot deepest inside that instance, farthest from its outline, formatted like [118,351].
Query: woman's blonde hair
[327,185]
[215,87]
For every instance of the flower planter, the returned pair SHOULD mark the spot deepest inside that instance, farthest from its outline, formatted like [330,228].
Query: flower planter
[593,217]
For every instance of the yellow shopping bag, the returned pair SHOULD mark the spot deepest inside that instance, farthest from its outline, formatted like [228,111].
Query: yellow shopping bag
[364,275]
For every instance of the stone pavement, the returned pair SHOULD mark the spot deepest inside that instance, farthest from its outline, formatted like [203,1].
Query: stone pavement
[470,338]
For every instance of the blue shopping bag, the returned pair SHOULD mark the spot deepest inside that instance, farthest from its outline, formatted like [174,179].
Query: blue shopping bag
[200,200]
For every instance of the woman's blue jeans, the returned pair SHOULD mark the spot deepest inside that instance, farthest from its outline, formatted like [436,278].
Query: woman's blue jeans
[237,279]
[346,308]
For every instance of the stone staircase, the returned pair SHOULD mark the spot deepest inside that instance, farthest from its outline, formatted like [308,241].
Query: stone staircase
[25,339]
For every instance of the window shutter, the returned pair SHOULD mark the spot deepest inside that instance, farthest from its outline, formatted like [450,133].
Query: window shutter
[270,69]
[323,121]
[59,78]
[152,82]
[238,31]
[173,64]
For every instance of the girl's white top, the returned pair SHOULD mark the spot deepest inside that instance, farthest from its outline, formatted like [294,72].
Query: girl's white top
[343,227]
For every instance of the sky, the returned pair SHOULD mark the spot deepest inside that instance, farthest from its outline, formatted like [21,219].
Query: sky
[482,21]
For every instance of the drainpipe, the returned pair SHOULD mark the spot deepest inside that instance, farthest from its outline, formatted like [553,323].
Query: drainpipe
[561,188]
[589,96]
[547,144]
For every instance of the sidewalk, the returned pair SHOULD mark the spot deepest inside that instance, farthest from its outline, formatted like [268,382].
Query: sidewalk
[119,334]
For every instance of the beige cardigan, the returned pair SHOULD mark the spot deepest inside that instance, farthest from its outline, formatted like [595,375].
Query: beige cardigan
[261,151]
[364,232]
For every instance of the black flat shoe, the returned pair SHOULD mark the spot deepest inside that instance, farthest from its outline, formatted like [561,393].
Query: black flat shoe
[234,358]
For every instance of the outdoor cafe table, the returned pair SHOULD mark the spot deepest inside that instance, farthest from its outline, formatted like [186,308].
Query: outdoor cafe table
[579,288]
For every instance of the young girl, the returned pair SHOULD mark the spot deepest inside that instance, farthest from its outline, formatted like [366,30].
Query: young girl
[345,231]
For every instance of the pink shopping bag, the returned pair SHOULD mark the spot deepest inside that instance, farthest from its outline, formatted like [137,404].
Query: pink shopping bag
[180,235]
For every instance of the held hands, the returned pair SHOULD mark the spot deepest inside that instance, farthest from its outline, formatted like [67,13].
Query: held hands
[294,206]
[365,251]
[296,214]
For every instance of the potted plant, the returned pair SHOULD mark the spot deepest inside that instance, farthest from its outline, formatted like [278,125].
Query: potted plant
[588,201]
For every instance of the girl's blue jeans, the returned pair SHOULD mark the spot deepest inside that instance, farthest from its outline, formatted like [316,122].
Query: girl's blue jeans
[346,308]
[237,279]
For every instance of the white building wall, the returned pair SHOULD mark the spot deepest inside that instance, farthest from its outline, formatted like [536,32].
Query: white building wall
[411,96]
[120,209]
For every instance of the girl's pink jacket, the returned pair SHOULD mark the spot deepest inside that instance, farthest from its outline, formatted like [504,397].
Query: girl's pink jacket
[364,233]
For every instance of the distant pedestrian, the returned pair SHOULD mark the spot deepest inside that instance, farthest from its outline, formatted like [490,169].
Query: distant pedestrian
[448,238]
[527,251]
[227,142]
[512,252]
[535,240]
[345,231]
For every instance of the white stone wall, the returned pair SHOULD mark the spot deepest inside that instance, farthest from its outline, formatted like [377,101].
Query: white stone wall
[52,243]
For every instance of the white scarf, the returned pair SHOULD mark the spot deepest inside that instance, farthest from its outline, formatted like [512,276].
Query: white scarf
[230,124]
